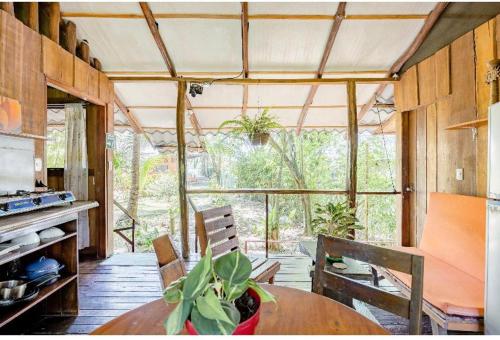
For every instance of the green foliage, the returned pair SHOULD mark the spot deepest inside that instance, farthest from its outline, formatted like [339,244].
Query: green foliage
[262,124]
[208,292]
[335,219]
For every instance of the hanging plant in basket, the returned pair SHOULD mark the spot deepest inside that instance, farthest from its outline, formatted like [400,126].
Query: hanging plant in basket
[257,129]
[216,297]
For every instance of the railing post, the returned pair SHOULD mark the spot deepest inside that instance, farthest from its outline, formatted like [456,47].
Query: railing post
[133,235]
[267,226]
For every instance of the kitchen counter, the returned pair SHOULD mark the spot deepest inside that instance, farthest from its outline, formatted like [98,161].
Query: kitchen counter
[17,225]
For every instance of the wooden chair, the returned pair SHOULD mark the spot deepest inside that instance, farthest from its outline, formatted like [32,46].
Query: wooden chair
[170,263]
[340,287]
[217,226]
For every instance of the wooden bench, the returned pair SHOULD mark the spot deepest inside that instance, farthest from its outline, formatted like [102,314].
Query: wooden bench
[217,226]
[453,246]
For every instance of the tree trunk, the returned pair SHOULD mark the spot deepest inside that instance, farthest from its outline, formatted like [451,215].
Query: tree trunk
[133,201]
[298,177]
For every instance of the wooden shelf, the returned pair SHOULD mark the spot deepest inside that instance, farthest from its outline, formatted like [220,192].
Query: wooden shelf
[15,311]
[468,125]
[30,249]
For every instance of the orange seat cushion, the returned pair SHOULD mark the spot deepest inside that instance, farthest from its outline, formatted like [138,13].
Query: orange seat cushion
[455,230]
[448,288]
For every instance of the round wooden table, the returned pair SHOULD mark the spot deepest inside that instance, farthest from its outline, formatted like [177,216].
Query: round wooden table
[296,312]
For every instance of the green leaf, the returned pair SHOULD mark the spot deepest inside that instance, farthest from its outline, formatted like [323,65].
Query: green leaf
[234,267]
[234,291]
[207,326]
[264,295]
[173,293]
[231,311]
[175,321]
[197,280]
[210,307]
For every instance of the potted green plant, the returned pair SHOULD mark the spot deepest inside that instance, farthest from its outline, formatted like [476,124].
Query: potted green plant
[216,297]
[335,219]
[257,129]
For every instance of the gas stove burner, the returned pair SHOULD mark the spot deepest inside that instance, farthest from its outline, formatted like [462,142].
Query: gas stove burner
[25,201]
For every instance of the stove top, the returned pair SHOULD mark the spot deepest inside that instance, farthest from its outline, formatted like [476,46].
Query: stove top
[24,201]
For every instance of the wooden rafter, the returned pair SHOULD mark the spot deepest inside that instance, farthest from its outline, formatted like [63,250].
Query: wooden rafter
[396,67]
[253,72]
[244,53]
[311,17]
[339,16]
[153,27]
[136,126]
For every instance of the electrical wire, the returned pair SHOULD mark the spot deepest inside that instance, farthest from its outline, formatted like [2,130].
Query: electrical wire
[385,149]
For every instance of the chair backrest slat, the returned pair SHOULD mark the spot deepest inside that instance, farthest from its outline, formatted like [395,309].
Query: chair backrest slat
[340,287]
[374,296]
[170,264]
[216,226]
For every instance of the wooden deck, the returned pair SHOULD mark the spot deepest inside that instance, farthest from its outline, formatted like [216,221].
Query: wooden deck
[111,287]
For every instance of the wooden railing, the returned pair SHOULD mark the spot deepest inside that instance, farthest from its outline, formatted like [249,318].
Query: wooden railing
[120,231]
[268,192]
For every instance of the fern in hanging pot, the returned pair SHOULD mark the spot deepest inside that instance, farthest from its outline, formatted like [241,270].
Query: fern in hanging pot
[258,129]
[216,297]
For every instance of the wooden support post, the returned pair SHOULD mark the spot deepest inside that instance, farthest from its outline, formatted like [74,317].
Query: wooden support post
[181,158]
[353,143]
[27,12]
[267,226]
[49,19]
[67,35]
[7,7]
[83,51]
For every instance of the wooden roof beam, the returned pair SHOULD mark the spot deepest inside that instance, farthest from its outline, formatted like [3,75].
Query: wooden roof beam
[153,27]
[244,53]
[339,16]
[431,20]
[136,126]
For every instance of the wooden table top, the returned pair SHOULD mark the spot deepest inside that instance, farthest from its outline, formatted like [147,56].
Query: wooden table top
[296,312]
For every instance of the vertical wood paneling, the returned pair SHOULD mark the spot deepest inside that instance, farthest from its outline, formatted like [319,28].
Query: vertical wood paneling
[432,142]
[421,170]
[11,56]
[409,88]
[443,78]
[412,175]
[484,38]
[427,81]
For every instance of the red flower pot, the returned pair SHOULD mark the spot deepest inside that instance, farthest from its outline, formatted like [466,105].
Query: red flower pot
[245,328]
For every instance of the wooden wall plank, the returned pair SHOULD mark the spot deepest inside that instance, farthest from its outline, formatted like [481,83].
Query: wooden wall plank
[93,89]
[485,50]
[51,59]
[410,88]
[426,71]
[11,56]
[412,175]
[443,78]
[81,81]
[431,148]
[421,171]
[67,67]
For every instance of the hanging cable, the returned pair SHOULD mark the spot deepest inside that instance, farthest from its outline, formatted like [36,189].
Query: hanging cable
[385,149]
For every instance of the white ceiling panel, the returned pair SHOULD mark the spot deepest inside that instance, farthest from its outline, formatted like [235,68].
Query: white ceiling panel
[101,7]
[212,119]
[364,92]
[196,7]
[287,45]
[371,44]
[326,117]
[285,117]
[321,8]
[162,118]
[120,45]
[203,45]
[219,95]
[272,95]
[331,95]
[389,7]
[147,93]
